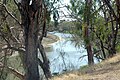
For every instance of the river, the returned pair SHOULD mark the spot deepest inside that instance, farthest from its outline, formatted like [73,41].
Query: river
[64,56]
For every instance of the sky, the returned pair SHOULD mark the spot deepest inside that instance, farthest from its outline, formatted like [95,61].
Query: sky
[64,11]
[66,1]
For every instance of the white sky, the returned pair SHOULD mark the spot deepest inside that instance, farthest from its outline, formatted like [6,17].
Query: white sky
[66,1]
[64,10]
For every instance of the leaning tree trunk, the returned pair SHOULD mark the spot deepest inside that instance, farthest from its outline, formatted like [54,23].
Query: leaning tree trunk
[29,15]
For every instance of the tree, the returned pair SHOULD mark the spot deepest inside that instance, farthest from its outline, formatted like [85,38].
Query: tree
[33,18]
[81,11]
[98,26]
[30,12]
[87,15]
[114,17]
[29,15]
[27,34]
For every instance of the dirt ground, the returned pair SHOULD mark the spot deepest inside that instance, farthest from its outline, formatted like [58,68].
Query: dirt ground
[106,70]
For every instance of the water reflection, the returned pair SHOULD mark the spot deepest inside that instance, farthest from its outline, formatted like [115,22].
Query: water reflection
[64,55]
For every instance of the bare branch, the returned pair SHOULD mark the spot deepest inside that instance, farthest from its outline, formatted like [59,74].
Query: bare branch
[111,9]
[17,49]
[14,48]
[5,38]
[11,14]
[15,2]
[13,71]
[106,48]
[40,62]
[16,73]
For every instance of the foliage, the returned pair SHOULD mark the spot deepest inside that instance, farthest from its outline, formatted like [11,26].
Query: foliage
[101,30]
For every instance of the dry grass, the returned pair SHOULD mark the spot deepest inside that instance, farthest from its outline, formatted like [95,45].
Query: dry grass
[106,70]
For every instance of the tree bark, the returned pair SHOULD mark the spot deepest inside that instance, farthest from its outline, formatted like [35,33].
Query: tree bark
[87,32]
[29,15]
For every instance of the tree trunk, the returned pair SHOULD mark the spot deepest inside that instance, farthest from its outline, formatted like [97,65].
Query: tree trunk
[114,15]
[31,53]
[90,55]
[29,15]
[87,32]
[102,48]
[88,46]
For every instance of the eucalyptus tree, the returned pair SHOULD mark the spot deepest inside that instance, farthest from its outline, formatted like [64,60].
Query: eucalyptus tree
[107,33]
[30,55]
[34,15]
[81,11]
[87,25]
[100,20]
[114,20]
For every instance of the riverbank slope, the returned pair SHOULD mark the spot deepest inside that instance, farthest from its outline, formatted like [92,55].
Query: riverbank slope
[106,70]
[49,39]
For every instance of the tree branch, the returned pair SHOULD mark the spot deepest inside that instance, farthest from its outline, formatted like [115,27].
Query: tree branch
[15,2]
[16,73]
[110,7]
[14,48]
[11,14]
[13,71]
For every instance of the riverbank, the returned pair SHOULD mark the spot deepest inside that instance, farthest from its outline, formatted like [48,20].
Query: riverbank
[106,70]
[49,40]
